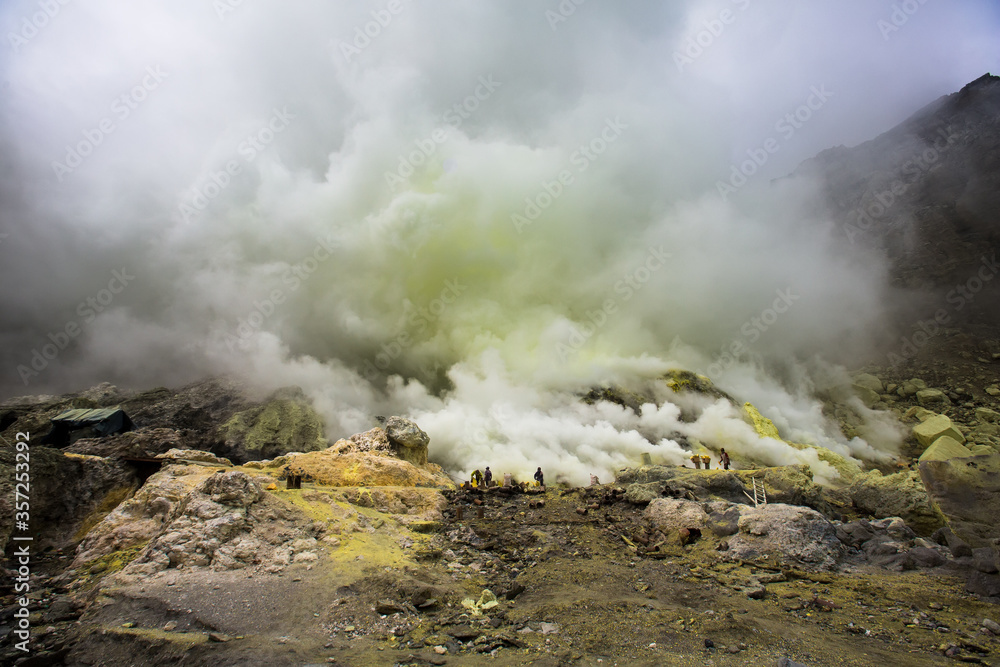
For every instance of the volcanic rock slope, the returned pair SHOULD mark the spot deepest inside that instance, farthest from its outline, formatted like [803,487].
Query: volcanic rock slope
[927,194]
[377,560]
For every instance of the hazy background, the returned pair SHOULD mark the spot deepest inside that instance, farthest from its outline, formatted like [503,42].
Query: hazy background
[321,260]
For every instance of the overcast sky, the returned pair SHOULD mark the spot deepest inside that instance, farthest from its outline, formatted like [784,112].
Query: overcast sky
[188,185]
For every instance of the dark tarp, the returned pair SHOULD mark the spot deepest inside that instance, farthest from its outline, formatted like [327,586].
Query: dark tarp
[69,426]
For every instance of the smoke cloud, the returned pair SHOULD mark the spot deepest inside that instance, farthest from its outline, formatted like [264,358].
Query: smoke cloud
[464,213]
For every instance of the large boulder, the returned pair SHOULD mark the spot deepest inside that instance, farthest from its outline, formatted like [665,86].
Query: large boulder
[986,415]
[902,495]
[782,532]
[945,448]
[911,387]
[868,381]
[967,491]
[669,515]
[408,441]
[932,397]
[932,428]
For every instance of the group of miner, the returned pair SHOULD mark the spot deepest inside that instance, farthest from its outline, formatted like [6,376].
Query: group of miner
[705,460]
[485,479]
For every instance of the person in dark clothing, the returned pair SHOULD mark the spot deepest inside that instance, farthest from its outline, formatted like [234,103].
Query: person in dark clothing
[488,477]
[724,458]
[539,477]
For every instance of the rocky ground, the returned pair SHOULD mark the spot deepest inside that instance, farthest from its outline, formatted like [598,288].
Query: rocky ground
[379,560]
[555,577]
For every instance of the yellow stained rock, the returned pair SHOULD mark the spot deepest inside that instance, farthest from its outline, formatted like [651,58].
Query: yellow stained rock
[945,448]
[764,427]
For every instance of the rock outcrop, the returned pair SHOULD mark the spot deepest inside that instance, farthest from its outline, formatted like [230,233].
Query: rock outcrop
[227,522]
[69,493]
[286,423]
[408,441]
[333,467]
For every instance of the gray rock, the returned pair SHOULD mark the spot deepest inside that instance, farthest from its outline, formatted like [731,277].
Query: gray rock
[924,557]
[981,583]
[869,381]
[854,534]
[985,560]
[911,387]
[932,397]
[786,532]
[407,440]
[787,662]
[405,432]
[669,515]
[895,528]
[959,548]
[388,607]
[642,494]
[232,488]
[725,522]
[988,415]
